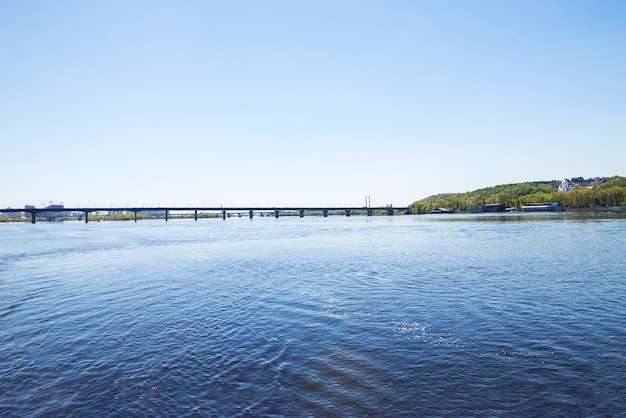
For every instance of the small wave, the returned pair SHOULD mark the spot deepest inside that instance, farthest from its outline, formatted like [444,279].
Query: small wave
[411,330]
[421,331]
[332,300]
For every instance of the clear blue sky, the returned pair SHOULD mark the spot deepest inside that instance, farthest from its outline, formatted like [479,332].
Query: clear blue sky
[304,102]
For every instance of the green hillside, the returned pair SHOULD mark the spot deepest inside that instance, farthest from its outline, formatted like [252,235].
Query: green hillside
[587,193]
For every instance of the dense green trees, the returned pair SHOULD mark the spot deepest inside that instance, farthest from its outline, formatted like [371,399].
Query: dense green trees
[612,192]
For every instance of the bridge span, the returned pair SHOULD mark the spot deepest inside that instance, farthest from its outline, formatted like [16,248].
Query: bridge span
[224,211]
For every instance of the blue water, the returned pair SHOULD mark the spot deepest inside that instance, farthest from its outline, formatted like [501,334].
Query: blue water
[516,315]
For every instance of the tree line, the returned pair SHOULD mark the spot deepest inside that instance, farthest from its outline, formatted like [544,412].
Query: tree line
[610,193]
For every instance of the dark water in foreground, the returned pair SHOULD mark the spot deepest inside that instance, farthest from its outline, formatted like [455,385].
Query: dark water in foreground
[404,316]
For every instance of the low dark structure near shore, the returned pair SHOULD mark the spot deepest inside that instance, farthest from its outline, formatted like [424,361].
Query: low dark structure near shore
[494,207]
[543,207]
[441,210]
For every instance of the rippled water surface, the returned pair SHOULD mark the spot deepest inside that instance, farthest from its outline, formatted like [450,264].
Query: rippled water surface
[362,316]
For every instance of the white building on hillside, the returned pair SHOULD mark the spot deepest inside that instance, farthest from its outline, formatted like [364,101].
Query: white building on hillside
[565,186]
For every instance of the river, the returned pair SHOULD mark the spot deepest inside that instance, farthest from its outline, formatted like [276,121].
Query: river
[432,315]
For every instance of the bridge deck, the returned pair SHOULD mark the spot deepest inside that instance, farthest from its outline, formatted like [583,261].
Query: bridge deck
[195,209]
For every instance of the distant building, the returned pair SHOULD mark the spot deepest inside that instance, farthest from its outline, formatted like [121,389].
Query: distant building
[565,186]
[56,213]
[13,214]
[117,212]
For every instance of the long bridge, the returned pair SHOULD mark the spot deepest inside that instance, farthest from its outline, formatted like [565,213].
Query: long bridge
[225,211]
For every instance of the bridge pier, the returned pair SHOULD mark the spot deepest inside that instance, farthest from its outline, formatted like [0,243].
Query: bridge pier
[325,212]
[251,214]
[167,214]
[302,213]
[86,216]
[33,216]
[135,216]
[195,215]
[347,212]
[276,213]
[390,212]
[370,212]
[224,214]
